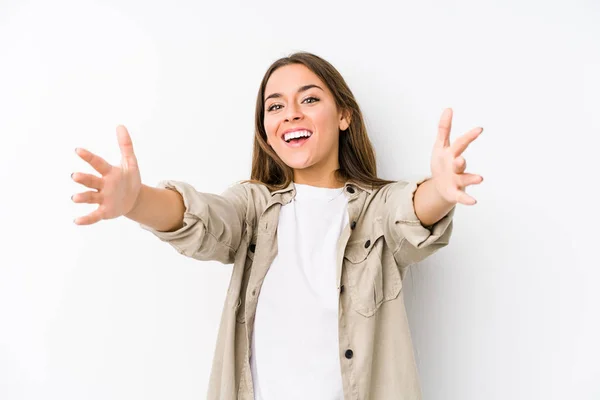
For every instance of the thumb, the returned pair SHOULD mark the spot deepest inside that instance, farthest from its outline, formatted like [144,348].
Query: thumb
[126,146]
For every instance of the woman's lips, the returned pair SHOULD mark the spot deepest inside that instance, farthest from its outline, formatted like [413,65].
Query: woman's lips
[294,143]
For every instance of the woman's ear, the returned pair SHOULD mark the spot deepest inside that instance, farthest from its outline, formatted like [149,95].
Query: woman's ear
[345,120]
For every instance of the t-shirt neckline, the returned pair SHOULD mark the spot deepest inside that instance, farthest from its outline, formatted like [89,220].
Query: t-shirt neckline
[304,191]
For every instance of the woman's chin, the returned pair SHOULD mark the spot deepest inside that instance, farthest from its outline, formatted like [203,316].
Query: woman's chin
[298,162]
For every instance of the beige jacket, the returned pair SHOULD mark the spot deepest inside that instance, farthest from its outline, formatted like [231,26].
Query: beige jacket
[384,236]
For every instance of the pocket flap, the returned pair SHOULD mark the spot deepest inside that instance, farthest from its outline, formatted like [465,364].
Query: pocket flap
[357,250]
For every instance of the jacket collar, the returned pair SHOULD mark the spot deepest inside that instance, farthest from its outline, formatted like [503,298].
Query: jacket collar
[352,190]
[349,183]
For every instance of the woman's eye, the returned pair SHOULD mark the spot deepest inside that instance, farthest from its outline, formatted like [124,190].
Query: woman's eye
[272,107]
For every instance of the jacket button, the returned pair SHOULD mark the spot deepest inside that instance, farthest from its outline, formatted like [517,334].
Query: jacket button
[367,244]
[353,225]
[341,289]
[350,189]
[349,354]
[252,247]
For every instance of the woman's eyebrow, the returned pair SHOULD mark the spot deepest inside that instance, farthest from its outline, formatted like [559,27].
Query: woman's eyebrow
[301,89]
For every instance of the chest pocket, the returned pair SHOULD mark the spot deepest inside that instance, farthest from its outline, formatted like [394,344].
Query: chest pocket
[372,275]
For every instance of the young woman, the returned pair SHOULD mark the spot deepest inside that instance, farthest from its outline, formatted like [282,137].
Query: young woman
[319,243]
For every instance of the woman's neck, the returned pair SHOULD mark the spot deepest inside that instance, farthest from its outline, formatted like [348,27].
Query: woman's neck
[317,178]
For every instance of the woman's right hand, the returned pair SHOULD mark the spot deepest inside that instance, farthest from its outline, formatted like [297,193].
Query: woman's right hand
[117,190]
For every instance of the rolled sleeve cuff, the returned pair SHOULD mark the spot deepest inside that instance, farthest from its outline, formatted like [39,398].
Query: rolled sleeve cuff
[410,227]
[191,215]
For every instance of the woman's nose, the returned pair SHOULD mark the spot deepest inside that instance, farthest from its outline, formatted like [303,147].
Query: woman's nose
[293,113]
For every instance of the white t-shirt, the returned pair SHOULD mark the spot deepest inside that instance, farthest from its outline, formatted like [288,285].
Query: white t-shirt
[295,351]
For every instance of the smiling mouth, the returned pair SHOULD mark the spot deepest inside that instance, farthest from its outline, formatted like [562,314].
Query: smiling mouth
[296,139]
[297,136]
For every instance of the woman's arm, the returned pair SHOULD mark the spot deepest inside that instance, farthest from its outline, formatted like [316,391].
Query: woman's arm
[161,209]
[210,226]
[429,205]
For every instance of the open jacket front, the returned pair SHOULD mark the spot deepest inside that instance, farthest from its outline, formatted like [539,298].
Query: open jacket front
[384,236]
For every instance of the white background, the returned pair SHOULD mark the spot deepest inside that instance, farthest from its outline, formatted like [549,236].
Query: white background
[510,310]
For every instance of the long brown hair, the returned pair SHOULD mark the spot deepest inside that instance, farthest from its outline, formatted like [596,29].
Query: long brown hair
[356,154]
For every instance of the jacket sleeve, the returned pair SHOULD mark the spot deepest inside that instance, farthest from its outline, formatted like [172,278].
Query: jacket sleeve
[212,224]
[410,240]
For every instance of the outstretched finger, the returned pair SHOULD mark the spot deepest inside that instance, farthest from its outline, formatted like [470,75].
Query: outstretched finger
[461,144]
[126,146]
[90,197]
[89,219]
[444,126]
[469,179]
[88,180]
[464,198]
[97,162]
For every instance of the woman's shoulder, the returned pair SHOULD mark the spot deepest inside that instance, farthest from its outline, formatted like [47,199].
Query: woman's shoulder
[256,192]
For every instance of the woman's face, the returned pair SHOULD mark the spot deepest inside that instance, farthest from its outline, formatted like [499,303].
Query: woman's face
[297,100]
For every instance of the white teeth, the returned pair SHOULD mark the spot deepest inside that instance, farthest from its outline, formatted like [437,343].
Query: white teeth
[293,135]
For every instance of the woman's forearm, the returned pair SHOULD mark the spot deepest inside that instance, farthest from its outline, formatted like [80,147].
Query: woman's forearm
[161,209]
[430,207]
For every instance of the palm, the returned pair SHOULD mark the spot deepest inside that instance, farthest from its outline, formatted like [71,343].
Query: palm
[118,187]
[447,164]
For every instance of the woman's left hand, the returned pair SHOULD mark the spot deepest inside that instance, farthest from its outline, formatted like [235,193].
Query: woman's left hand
[448,166]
